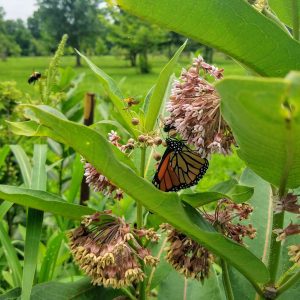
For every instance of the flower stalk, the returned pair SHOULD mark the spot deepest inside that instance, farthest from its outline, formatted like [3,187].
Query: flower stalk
[275,246]
[226,280]
[139,220]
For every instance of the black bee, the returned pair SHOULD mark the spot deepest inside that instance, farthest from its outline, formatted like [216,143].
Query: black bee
[35,76]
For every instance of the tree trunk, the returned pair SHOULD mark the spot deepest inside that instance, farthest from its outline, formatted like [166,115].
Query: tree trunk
[78,62]
[208,54]
[143,61]
[132,57]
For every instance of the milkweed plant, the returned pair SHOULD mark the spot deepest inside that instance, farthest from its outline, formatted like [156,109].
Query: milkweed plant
[238,240]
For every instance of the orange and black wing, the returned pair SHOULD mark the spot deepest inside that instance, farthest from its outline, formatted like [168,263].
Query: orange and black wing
[179,170]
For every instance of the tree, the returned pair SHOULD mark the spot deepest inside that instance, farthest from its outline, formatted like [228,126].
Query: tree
[7,46]
[77,18]
[134,35]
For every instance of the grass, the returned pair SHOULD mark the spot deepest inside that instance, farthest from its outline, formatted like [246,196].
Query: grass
[132,83]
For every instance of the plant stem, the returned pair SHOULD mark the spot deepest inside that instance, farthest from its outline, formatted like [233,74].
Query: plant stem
[140,223]
[295,17]
[275,247]
[266,11]
[291,281]
[128,294]
[286,276]
[226,280]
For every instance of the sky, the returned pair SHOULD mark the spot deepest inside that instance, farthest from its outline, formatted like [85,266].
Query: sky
[18,9]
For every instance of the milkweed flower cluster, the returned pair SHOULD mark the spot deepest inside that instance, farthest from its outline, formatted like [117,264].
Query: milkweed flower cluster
[291,229]
[107,249]
[186,256]
[225,214]
[294,253]
[194,108]
[99,182]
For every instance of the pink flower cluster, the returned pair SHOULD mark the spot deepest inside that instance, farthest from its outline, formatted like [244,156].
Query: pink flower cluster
[194,108]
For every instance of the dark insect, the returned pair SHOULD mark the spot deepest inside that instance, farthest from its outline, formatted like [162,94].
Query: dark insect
[179,168]
[168,128]
[34,77]
[130,102]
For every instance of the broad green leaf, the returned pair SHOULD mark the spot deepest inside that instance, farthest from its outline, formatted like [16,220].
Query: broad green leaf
[268,135]
[238,194]
[4,207]
[158,93]
[23,162]
[286,10]
[79,290]
[261,219]
[77,174]
[176,287]
[11,256]
[98,151]
[31,128]
[234,28]
[3,154]
[43,201]
[113,91]
[34,221]
[50,258]
[11,294]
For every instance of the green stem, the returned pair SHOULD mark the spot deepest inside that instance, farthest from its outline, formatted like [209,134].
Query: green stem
[128,294]
[275,247]
[266,11]
[291,281]
[286,276]
[226,280]
[295,17]
[140,223]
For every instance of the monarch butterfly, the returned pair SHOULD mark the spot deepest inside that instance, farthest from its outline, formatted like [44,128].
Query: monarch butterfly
[179,168]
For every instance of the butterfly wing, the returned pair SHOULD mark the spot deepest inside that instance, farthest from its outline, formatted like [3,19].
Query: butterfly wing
[179,170]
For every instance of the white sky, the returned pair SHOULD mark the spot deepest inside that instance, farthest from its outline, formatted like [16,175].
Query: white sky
[18,9]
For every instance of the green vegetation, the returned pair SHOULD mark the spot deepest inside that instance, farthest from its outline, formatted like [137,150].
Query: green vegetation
[148,171]
[130,80]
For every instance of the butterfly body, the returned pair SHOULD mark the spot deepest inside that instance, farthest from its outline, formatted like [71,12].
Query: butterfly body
[179,168]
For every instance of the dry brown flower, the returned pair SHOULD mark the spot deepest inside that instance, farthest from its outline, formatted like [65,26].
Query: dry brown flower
[186,256]
[106,248]
[291,229]
[224,215]
[294,253]
[288,203]
[194,108]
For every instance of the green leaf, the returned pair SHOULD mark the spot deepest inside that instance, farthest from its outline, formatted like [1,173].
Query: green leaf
[23,162]
[31,128]
[79,290]
[11,256]
[238,194]
[160,89]
[176,287]
[50,258]
[98,151]
[34,221]
[113,91]
[234,28]
[44,201]
[11,294]
[286,10]
[268,137]
[77,174]
[4,207]
[261,219]
[3,154]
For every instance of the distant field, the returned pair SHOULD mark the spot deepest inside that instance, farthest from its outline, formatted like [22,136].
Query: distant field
[132,82]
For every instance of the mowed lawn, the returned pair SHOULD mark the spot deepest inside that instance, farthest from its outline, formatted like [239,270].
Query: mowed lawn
[132,83]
